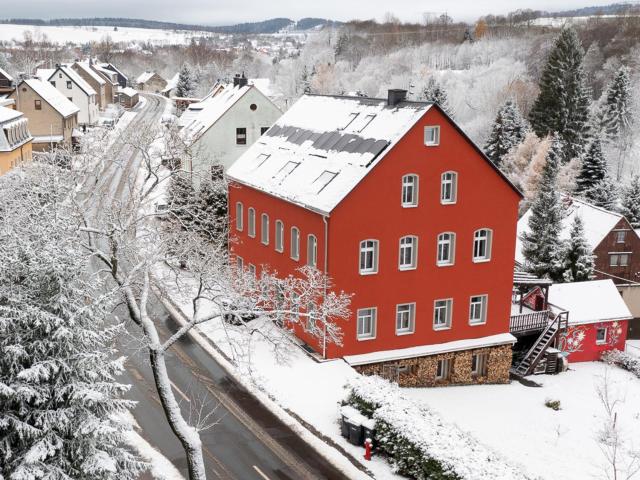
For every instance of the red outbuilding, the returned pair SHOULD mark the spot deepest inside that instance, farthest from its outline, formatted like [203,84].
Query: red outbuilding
[400,208]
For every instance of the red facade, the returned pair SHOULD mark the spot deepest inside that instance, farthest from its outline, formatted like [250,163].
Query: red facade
[373,210]
[588,342]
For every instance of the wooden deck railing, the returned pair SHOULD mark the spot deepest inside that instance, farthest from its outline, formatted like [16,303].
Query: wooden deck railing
[529,322]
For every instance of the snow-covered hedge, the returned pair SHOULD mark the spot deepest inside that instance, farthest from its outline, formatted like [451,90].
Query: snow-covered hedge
[623,360]
[419,443]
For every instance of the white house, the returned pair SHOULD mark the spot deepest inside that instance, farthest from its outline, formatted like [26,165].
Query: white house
[76,89]
[223,126]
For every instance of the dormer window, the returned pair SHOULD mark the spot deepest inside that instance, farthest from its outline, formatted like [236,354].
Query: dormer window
[432,135]
[352,117]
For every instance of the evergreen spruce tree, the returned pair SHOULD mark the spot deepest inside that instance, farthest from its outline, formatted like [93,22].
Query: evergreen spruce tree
[182,201]
[212,210]
[433,92]
[541,244]
[578,263]
[630,201]
[509,130]
[604,194]
[593,168]
[616,113]
[563,103]
[186,85]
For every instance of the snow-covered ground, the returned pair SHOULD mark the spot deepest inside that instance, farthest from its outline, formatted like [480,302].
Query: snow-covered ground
[633,347]
[81,35]
[514,421]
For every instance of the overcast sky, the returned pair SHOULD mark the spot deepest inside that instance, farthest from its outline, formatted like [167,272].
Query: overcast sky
[221,12]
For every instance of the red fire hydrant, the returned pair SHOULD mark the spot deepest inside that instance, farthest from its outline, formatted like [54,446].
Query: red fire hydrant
[367,449]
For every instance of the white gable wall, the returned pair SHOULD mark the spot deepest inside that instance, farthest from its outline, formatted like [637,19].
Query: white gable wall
[217,146]
[88,114]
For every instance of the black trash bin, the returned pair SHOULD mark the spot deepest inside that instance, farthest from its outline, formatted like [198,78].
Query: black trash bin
[344,427]
[369,431]
[356,436]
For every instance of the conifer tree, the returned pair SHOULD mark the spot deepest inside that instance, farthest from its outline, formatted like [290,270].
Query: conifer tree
[616,114]
[509,130]
[578,262]
[604,194]
[563,103]
[593,168]
[541,243]
[186,85]
[182,198]
[212,209]
[630,201]
[433,92]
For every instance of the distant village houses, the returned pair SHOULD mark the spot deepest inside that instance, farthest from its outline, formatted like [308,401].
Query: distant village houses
[150,82]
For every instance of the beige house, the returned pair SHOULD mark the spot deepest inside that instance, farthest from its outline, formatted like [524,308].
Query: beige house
[15,139]
[150,82]
[98,83]
[52,117]
[111,81]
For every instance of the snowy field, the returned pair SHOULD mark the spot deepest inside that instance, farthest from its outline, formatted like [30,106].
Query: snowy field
[514,421]
[81,35]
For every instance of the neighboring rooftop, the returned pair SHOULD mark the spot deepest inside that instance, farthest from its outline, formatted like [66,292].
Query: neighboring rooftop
[171,83]
[14,129]
[47,74]
[589,302]
[113,68]
[53,97]
[323,146]
[145,76]
[598,222]
[8,114]
[6,75]
[89,71]
[128,91]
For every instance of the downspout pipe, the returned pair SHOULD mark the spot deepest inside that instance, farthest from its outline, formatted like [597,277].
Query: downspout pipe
[326,270]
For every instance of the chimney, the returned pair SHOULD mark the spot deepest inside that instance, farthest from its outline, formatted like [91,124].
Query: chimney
[240,81]
[395,96]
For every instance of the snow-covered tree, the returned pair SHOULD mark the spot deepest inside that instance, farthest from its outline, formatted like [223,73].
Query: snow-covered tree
[187,84]
[616,115]
[509,130]
[212,209]
[604,193]
[578,264]
[630,202]
[542,248]
[61,406]
[182,199]
[563,103]
[593,168]
[434,92]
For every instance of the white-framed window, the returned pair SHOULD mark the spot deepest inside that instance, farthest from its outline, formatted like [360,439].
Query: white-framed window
[443,369]
[619,259]
[442,310]
[432,135]
[408,257]
[478,309]
[368,257]
[482,240]
[239,262]
[446,248]
[264,229]
[620,236]
[312,250]
[367,323]
[251,222]
[479,362]
[405,318]
[279,236]
[410,191]
[295,243]
[252,269]
[601,336]
[449,188]
[239,216]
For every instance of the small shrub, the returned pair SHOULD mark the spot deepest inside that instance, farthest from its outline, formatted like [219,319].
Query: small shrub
[552,404]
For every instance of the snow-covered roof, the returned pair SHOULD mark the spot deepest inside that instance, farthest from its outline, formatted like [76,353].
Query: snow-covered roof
[112,67]
[14,129]
[87,68]
[598,222]
[45,74]
[6,75]
[435,349]
[323,146]
[48,139]
[145,76]
[108,73]
[589,302]
[212,109]
[53,97]
[171,83]
[128,91]
[73,76]
[264,85]
[8,114]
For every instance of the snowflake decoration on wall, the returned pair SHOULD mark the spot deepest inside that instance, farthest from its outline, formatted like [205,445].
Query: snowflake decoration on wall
[572,340]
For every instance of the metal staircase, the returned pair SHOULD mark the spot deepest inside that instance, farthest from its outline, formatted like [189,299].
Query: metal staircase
[546,339]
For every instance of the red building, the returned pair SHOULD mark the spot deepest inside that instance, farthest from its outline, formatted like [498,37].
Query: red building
[397,205]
